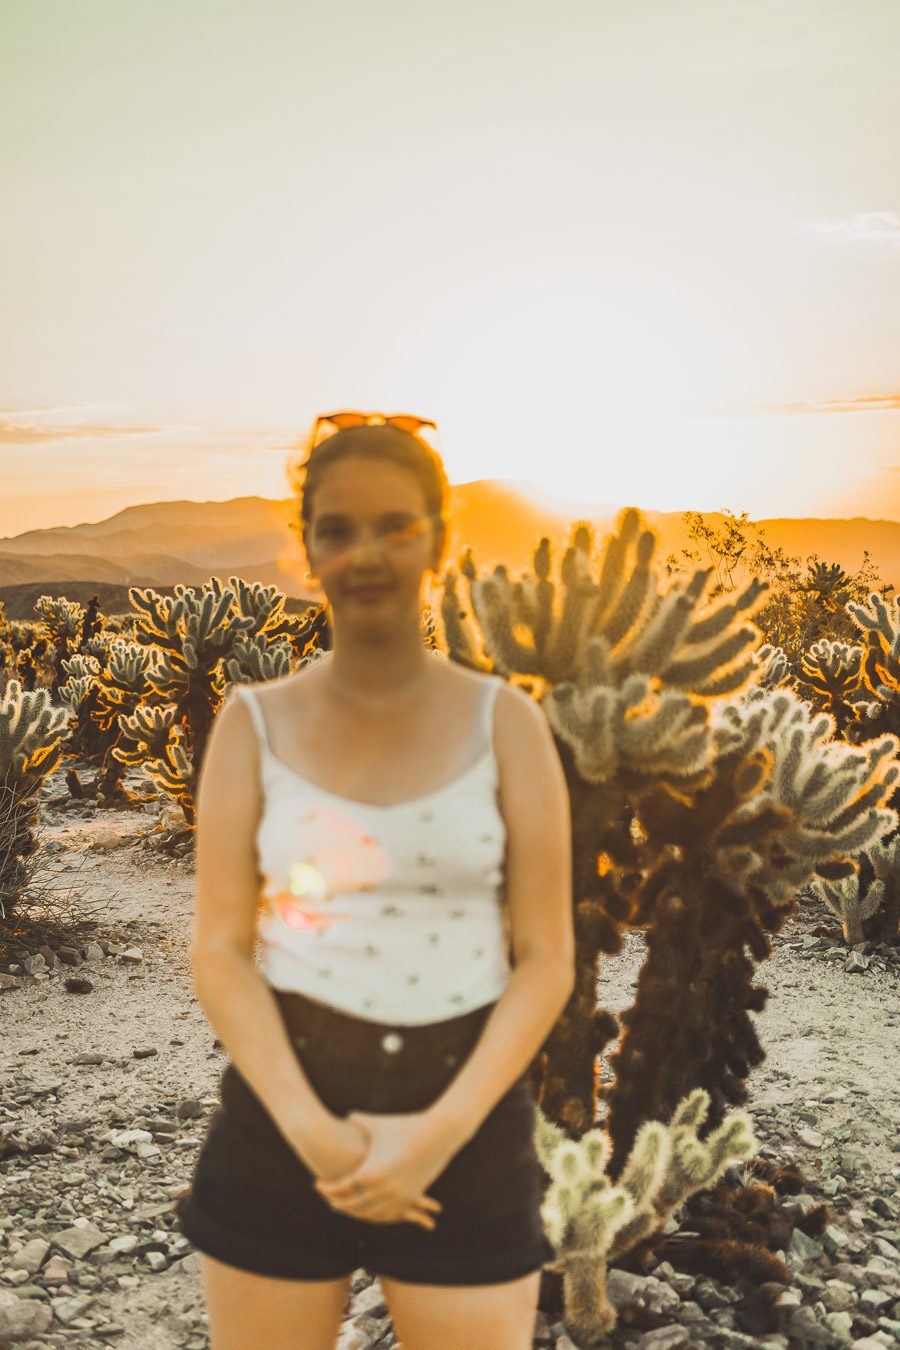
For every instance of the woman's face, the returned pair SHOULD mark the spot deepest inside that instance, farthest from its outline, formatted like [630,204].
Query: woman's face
[370,528]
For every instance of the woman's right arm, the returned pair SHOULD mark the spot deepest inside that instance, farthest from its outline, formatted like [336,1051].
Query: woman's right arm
[236,998]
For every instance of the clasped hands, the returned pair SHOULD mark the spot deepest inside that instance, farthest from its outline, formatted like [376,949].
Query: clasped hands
[403,1153]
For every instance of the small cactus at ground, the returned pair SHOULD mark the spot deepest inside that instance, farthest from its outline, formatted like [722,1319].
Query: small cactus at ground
[854,905]
[591,1220]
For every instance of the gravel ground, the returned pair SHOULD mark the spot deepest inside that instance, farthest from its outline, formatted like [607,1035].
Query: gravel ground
[105,1095]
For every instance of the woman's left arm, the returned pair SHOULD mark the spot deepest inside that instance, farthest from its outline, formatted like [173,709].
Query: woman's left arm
[534,801]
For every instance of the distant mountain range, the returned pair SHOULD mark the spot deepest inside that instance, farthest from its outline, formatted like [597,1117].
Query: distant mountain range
[160,544]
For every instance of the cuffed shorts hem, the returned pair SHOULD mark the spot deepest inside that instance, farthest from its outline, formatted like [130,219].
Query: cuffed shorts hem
[213,1238]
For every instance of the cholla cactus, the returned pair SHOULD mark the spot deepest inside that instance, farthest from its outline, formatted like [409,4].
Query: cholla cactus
[153,739]
[824,800]
[256,659]
[122,686]
[830,584]
[100,691]
[702,796]
[91,624]
[29,738]
[82,671]
[6,644]
[626,672]
[99,644]
[591,1220]
[30,729]
[78,694]
[200,640]
[774,671]
[831,671]
[783,804]
[459,637]
[619,624]
[192,636]
[63,620]
[846,900]
[29,653]
[881,661]
[859,686]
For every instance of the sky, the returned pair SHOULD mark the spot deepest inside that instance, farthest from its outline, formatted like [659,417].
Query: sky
[641,253]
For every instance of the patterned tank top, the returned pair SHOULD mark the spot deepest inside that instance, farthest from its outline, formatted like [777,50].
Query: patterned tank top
[392,913]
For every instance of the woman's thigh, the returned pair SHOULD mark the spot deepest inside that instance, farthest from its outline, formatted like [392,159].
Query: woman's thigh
[455,1317]
[247,1311]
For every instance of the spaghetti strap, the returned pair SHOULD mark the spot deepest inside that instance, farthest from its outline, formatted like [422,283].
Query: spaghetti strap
[256,713]
[488,700]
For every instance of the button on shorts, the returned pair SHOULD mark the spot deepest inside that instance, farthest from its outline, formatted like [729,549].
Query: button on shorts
[253,1204]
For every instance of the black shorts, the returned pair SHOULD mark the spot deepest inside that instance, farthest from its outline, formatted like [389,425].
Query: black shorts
[253,1203]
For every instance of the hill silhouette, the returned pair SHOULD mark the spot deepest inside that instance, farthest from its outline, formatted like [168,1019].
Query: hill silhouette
[161,544]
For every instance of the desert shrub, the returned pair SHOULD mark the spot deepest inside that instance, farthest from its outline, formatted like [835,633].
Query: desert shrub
[803,605]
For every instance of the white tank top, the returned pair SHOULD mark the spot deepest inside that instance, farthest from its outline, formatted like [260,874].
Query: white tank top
[392,913]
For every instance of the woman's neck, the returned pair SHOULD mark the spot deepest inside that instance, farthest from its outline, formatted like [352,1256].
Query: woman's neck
[379,677]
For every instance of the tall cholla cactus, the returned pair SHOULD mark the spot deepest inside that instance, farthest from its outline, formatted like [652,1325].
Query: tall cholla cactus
[853,906]
[781,805]
[700,803]
[30,729]
[822,800]
[625,673]
[591,1220]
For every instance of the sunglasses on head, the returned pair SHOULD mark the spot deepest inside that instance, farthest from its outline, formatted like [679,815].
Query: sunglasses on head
[339,420]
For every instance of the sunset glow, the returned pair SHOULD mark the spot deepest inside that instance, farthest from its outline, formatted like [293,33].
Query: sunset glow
[651,257]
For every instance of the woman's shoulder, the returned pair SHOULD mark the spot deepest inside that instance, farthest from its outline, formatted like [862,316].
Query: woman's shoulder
[296,681]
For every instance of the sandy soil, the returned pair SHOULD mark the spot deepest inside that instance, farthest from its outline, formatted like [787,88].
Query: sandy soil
[827,1093]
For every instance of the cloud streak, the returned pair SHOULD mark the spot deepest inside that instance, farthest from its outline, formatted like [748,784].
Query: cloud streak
[36,426]
[868,227]
[867,403]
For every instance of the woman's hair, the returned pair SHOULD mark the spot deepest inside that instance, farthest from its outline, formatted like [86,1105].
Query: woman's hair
[371,441]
